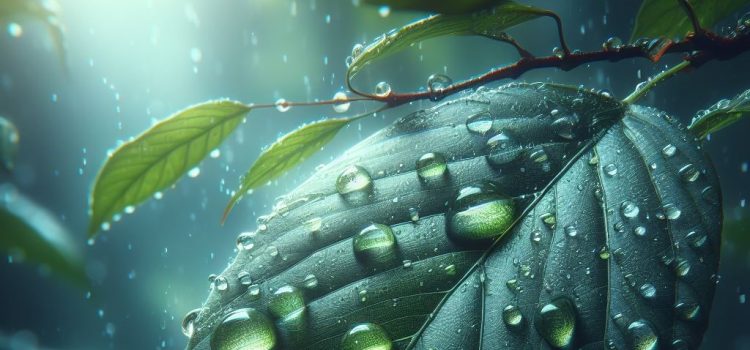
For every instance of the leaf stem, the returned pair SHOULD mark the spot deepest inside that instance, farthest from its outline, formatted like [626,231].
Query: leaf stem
[643,88]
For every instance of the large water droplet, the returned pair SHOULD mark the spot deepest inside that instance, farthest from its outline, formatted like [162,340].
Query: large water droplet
[383,89]
[431,166]
[375,244]
[480,211]
[354,184]
[669,150]
[221,283]
[437,83]
[287,304]
[672,212]
[556,322]
[502,149]
[565,126]
[366,336]
[479,123]
[641,336]
[244,329]
[612,44]
[512,316]
[310,281]
[688,311]
[342,105]
[188,322]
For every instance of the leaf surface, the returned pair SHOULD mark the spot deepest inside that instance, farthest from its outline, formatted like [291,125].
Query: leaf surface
[721,115]
[156,159]
[667,18]
[612,226]
[32,234]
[286,153]
[488,22]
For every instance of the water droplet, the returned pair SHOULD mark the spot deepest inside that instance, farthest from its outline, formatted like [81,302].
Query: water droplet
[246,241]
[669,150]
[287,304]
[558,52]
[342,105]
[688,311]
[696,239]
[479,123]
[648,290]
[383,89]
[354,184]
[610,169]
[244,278]
[194,172]
[244,329]
[689,173]
[502,149]
[414,214]
[565,127]
[216,153]
[639,231]
[682,268]
[431,166]
[129,209]
[641,336]
[188,322]
[604,253]
[512,316]
[556,322]
[375,244]
[450,270]
[272,251]
[612,44]
[549,220]
[629,209]
[571,231]
[480,211]
[282,105]
[538,155]
[512,285]
[221,284]
[310,281]
[536,236]
[437,83]
[313,225]
[366,336]
[357,50]
[15,30]
[672,212]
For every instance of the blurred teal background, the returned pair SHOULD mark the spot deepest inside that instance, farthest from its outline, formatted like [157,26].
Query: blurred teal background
[131,63]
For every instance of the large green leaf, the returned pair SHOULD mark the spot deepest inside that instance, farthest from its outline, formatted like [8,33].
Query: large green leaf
[157,158]
[721,115]
[667,18]
[40,11]
[286,153]
[29,233]
[615,237]
[488,22]
[446,7]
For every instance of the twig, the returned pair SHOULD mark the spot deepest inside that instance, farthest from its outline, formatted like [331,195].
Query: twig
[643,88]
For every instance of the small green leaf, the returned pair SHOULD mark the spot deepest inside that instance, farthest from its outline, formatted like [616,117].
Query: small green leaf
[667,17]
[286,153]
[44,12]
[446,7]
[721,115]
[487,22]
[159,156]
[30,233]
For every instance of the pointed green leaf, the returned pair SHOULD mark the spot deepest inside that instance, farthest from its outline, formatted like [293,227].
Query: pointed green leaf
[446,7]
[30,233]
[159,156]
[667,17]
[721,115]
[487,22]
[44,12]
[286,153]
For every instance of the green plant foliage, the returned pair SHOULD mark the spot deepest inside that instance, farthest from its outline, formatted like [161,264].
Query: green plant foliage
[406,244]
[8,143]
[35,10]
[720,115]
[31,234]
[737,233]
[667,17]
[286,153]
[446,7]
[160,156]
[489,22]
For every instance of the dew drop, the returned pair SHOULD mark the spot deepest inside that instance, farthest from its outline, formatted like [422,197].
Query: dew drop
[639,231]
[549,220]
[244,278]
[612,44]
[437,83]
[357,50]
[194,172]
[310,281]
[342,105]
[375,244]
[641,336]
[246,241]
[565,127]
[610,169]
[672,212]
[479,123]
[536,236]
[571,231]
[244,329]
[287,304]
[502,149]
[431,166]
[682,268]
[629,209]
[556,322]
[188,322]
[512,316]
[688,311]
[221,284]
[282,105]
[383,89]
[689,173]
[647,290]
[480,211]
[354,184]
[669,150]
[366,336]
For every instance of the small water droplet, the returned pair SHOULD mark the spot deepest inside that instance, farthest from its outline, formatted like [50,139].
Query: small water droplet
[246,241]
[313,225]
[282,105]
[221,284]
[629,209]
[669,150]
[512,316]
[571,231]
[436,83]
[244,278]
[357,50]
[612,44]
[538,155]
[479,123]
[188,322]
[310,281]
[688,311]
[672,212]
[565,127]
[610,169]
[648,290]
[604,253]
[502,149]
[194,172]
[536,236]
[641,336]
[383,89]
[414,214]
[639,231]
[549,220]
[682,268]
[689,173]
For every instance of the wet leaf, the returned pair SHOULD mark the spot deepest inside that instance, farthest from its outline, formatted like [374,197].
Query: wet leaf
[286,153]
[8,143]
[519,217]
[667,18]
[32,234]
[45,12]
[446,7]
[156,159]
[486,22]
[721,115]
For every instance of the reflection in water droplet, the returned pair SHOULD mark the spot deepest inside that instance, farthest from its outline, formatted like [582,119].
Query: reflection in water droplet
[536,236]
[556,322]
[688,311]
[571,231]
[502,149]
[282,105]
[672,212]
[221,283]
[375,244]
[244,278]
[354,184]
[436,83]
[479,123]
[366,336]
[480,211]
[549,220]
[610,169]
[512,316]
[639,231]
[565,126]
[641,336]
[431,166]
[310,281]
[244,329]
[246,241]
